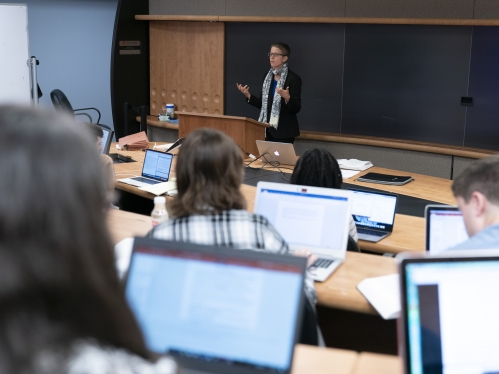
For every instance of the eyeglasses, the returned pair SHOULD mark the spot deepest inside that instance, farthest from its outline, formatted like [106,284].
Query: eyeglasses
[275,54]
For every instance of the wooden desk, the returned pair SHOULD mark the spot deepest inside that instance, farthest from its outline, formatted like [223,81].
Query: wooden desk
[339,291]
[408,233]
[422,187]
[308,359]
[371,363]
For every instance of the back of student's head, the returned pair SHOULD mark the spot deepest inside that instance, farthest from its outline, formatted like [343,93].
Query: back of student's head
[209,174]
[57,276]
[317,168]
[481,176]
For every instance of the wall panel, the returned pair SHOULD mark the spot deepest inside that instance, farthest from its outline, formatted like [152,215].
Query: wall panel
[410,8]
[406,82]
[486,9]
[286,8]
[189,7]
[187,66]
[482,120]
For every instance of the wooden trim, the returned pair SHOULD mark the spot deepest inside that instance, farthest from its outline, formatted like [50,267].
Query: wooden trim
[350,20]
[250,120]
[152,17]
[366,140]
[398,144]
[153,121]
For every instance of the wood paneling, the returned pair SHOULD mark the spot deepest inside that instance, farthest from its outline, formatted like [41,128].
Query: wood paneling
[187,66]
[361,20]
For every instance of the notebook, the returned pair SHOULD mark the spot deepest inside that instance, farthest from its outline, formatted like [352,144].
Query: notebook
[217,310]
[373,214]
[444,228]
[396,180]
[156,169]
[450,311]
[311,218]
[283,153]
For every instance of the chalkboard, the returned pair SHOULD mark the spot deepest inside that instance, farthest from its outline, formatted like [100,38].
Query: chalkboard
[14,55]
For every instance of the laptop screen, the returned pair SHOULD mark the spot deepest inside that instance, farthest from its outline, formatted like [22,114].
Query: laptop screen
[444,228]
[451,316]
[157,165]
[217,307]
[307,216]
[107,138]
[374,210]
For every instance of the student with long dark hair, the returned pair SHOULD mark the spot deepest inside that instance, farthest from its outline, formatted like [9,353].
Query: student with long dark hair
[319,168]
[62,309]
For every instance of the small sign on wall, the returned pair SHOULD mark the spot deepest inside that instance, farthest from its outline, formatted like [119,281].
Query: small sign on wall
[130,47]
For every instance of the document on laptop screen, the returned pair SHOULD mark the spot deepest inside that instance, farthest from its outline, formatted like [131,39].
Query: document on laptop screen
[453,318]
[306,219]
[373,208]
[157,165]
[446,230]
[215,310]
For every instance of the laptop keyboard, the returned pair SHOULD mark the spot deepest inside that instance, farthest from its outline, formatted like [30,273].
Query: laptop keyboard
[371,232]
[144,180]
[322,263]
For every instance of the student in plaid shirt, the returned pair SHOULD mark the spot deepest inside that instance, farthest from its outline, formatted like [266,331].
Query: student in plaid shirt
[210,208]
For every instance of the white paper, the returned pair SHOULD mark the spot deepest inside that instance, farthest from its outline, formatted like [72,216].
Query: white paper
[122,254]
[160,188]
[163,147]
[348,173]
[383,293]
[354,164]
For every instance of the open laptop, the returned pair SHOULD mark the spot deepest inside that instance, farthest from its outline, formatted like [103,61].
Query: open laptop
[217,310]
[107,139]
[311,218]
[156,169]
[284,153]
[450,309]
[373,214]
[444,227]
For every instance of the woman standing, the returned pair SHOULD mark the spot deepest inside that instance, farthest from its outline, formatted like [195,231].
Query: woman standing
[280,100]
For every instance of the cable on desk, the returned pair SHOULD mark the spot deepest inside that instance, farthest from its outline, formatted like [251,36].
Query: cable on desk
[273,163]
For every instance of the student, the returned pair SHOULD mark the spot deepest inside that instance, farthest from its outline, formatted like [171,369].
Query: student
[210,208]
[106,161]
[62,307]
[318,168]
[477,193]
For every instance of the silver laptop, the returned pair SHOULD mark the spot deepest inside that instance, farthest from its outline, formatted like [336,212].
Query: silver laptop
[373,214]
[450,308]
[284,153]
[156,169]
[217,310]
[311,218]
[444,227]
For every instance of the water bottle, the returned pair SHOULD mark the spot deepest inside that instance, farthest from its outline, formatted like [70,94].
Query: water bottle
[170,110]
[159,213]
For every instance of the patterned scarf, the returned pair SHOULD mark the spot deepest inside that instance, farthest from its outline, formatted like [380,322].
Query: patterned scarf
[276,104]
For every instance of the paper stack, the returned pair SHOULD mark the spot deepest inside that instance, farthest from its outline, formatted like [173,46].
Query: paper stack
[135,142]
[353,164]
[160,188]
[383,293]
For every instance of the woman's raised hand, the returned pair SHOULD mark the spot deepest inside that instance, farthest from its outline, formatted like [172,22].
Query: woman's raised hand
[244,90]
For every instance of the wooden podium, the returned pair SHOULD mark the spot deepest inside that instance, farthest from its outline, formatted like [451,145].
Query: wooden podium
[244,131]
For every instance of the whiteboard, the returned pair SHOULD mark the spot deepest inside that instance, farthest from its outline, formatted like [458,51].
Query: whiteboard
[14,55]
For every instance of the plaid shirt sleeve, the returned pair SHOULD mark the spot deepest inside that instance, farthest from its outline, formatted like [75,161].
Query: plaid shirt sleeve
[238,229]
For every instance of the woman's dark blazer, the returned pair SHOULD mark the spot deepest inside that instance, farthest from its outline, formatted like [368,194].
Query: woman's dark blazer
[288,123]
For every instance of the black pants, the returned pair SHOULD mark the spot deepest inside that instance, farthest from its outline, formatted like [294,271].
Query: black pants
[270,138]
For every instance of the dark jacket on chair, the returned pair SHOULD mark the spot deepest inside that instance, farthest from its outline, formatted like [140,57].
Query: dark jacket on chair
[288,123]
